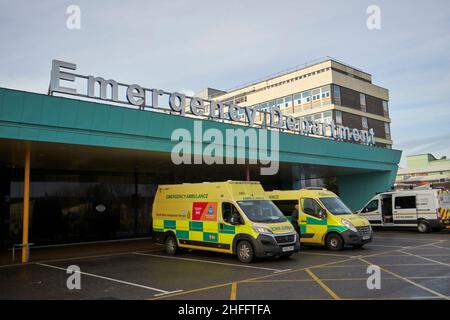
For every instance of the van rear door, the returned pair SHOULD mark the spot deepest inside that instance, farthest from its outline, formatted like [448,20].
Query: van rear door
[405,210]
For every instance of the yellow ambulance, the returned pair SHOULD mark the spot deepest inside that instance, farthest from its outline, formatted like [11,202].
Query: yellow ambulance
[233,217]
[323,219]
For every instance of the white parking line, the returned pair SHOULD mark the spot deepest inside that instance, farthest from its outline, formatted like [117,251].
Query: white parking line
[384,265]
[328,254]
[440,247]
[161,292]
[211,262]
[407,239]
[428,259]
[382,245]
[409,281]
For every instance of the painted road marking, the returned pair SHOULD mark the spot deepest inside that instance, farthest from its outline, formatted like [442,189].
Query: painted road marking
[289,271]
[328,254]
[386,265]
[247,280]
[406,239]
[323,285]
[211,262]
[428,259]
[233,293]
[161,292]
[408,280]
[440,247]
[382,245]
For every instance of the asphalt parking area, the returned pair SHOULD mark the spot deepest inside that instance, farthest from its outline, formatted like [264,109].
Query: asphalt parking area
[412,266]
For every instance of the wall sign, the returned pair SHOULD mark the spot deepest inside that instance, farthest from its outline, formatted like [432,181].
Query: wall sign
[145,98]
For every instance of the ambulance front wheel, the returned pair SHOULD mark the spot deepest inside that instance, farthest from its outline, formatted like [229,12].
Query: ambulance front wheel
[245,252]
[334,242]
[171,245]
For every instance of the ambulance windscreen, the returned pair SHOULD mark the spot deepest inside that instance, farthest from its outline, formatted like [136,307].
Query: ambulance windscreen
[335,206]
[261,211]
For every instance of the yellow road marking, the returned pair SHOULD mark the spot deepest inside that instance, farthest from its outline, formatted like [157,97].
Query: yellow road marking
[233,291]
[323,285]
[310,280]
[408,280]
[246,280]
[282,273]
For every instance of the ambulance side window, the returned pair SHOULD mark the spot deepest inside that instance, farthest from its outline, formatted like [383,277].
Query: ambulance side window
[228,209]
[311,207]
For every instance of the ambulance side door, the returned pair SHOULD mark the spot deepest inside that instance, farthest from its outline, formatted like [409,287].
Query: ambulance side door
[227,231]
[312,227]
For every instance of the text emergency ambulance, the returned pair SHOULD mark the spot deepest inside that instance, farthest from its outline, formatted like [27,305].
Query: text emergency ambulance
[323,218]
[231,217]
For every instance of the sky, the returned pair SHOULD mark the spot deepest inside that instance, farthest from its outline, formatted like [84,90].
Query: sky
[186,46]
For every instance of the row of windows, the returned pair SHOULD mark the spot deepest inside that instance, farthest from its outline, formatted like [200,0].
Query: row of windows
[402,202]
[301,101]
[239,99]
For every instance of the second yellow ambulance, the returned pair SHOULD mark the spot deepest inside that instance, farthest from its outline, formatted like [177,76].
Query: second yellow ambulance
[323,219]
[233,217]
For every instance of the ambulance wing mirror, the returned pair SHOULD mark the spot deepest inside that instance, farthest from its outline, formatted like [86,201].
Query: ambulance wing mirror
[322,214]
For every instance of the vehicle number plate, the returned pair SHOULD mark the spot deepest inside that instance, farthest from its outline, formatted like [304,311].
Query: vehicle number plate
[290,248]
[366,237]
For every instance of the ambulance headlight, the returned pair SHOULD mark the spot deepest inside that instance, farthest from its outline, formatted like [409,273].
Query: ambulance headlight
[349,225]
[261,229]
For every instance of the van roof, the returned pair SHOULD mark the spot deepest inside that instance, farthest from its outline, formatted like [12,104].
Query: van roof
[209,182]
[411,191]
[312,192]
[230,189]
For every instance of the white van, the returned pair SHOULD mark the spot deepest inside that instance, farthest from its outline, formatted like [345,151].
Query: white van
[424,209]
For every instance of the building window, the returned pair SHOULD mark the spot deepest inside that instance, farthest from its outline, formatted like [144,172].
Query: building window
[387,130]
[338,117]
[385,108]
[336,95]
[280,103]
[362,101]
[327,116]
[325,95]
[364,122]
[297,99]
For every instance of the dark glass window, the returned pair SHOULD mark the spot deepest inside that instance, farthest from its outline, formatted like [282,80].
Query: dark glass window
[405,202]
[286,206]
[371,206]
[70,207]
[311,207]
[228,210]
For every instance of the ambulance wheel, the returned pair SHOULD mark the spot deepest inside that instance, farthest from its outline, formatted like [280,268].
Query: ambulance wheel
[334,242]
[245,252]
[171,245]
[423,226]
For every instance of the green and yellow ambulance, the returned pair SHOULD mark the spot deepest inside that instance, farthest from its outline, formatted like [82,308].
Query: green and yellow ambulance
[234,217]
[323,219]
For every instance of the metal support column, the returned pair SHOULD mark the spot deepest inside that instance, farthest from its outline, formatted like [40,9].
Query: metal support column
[26,205]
